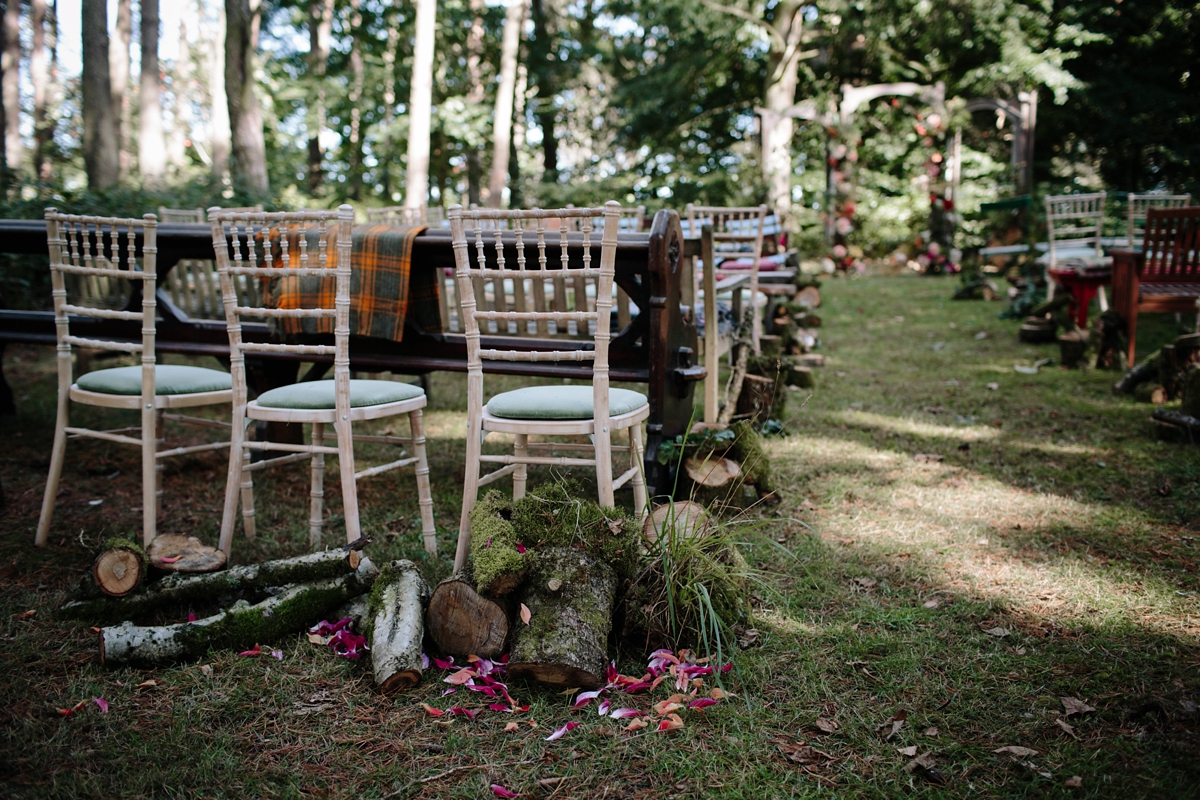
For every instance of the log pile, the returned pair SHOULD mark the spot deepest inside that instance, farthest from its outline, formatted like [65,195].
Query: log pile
[1162,376]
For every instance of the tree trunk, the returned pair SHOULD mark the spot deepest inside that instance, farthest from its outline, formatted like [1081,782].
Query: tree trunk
[182,85]
[320,31]
[514,20]
[475,95]
[118,61]
[541,60]
[516,197]
[242,20]
[397,613]
[11,86]
[462,622]
[388,145]
[101,120]
[181,589]
[220,137]
[570,600]
[420,107]
[152,154]
[779,94]
[355,156]
[39,75]
[242,625]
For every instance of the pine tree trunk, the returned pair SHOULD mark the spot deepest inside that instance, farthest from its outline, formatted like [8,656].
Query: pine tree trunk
[241,626]
[11,86]
[514,20]
[182,85]
[320,31]
[420,107]
[220,137]
[151,147]
[101,120]
[39,76]
[570,600]
[397,612]
[355,156]
[462,622]
[475,95]
[242,20]
[118,60]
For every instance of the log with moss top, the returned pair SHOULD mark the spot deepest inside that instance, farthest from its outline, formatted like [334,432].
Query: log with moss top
[180,589]
[396,626]
[499,564]
[570,597]
[462,622]
[241,626]
[1139,374]
[119,567]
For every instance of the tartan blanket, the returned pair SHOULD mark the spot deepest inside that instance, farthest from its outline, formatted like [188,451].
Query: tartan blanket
[384,291]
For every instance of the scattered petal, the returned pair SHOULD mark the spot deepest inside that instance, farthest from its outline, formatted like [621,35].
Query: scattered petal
[317,638]
[66,712]
[701,703]
[1074,782]
[622,713]
[637,724]
[500,791]
[604,707]
[255,651]
[424,661]
[25,614]
[585,697]
[150,684]
[206,670]
[525,614]
[558,734]
[440,664]
[166,559]
[569,692]
[520,548]
[717,693]
[278,654]
[510,727]
[461,677]
[1016,750]
[664,707]
[1074,706]
[500,707]
[670,723]
[434,712]
[451,690]
[102,703]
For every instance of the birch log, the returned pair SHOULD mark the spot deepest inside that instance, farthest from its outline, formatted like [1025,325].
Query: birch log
[397,613]
[241,626]
[179,589]
[570,600]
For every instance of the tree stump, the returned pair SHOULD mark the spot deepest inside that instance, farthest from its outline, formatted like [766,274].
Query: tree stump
[463,622]
[397,616]
[570,599]
[1072,348]
[757,398]
[174,553]
[1154,393]
[809,297]
[119,568]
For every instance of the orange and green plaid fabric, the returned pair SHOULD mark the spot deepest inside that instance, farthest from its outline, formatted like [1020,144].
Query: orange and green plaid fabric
[384,290]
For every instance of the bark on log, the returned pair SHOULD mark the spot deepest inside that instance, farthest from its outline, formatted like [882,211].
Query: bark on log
[463,622]
[1174,426]
[756,399]
[241,626]
[119,568]
[171,552]
[179,589]
[570,600]
[397,612]
[1139,374]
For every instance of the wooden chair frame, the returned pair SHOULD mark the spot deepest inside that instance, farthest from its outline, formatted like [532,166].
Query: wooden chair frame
[574,264]
[1139,204]
[406,216]
[77,249]
[257,229]
[193,285]
[1074,221]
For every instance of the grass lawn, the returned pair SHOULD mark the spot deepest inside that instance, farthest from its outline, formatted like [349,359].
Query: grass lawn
[1053,552]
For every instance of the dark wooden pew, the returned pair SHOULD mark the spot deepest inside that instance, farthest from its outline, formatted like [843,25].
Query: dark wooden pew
[656,348]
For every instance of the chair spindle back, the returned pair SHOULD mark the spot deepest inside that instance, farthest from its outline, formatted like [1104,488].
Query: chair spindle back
[1140,204]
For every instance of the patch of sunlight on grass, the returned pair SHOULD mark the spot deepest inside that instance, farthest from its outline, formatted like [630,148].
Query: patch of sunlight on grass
[1050,448]
[954,521]
[782,623]
[867,419]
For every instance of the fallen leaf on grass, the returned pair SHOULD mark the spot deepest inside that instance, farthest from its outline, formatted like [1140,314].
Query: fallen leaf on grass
[1165,489]
[801,753]
[206,670]
[525,614]
[1074,706]
[926,767]
[1067,728]
[149,684]
[825,725]
[895,723]
[500,791]
[923,458]
[998,632]
[1074,782]
[1016,750]
[637,724]
[931,731]
[993,386]
[907,751]
[863,585]
[933,603]
[510,727]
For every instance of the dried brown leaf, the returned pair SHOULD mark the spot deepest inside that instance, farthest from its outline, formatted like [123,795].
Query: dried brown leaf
[1074,782]
[907,751]
[998,632]
[895,723]
[1075,706]
[1067,728]
[1016,750]
[931,731]
[826,725]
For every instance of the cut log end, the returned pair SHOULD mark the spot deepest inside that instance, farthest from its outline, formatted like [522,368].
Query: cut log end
[555,675]
[174,553]
[117,572]
[685,517]
[462,622]
[400,681]
[712,472]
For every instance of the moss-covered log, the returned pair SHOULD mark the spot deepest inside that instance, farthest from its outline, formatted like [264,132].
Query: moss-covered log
[1138,374]
[119,568]
[463,622]
[500,566]
[179,589]
[1154,393]
[241,626]
[172,552]
[397,628]
[570,598]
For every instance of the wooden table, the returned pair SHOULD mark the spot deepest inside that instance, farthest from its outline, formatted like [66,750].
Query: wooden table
[656,348]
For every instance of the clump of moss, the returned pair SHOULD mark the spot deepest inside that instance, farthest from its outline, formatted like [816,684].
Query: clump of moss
[555,515]
[747,449]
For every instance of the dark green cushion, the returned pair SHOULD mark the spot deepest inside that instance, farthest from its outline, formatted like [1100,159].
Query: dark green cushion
[168,379]
[319,395]
[561,402]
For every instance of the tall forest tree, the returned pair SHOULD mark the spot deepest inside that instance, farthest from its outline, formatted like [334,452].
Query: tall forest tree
[41,66]
[420,107]
[152,154]
[10,86]
[220,136]
[119,63]
[242,21]
[101,118]
[514,22]
[320,34]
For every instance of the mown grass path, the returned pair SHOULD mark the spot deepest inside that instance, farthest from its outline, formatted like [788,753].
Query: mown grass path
[1053,552]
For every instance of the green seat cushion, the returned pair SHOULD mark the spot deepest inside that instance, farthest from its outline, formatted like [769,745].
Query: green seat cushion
[560,402]
[168,379]
[319,395]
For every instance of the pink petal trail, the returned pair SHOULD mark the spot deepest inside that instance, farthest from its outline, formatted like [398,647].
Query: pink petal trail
[500,791]
[622,713]
[583,698]
[255,651]
[102,703]
[702,703]
[558,734]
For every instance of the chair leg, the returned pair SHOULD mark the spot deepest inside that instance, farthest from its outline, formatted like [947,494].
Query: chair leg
[424,495]
[345,440]
[247,487]
[604,468]
[238,457]
[317,492]
[521,474]
[1131,332]
[470,491]
[149,433]
[637,461]
[160,440]
[57,455]
[1103,295]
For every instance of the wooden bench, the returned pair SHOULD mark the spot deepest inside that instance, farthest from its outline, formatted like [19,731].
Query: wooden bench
[656,347]
[1165,275]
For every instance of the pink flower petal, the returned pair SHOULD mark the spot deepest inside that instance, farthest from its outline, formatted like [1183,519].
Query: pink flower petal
[702,703]
[256,651]
[520,548]
[440,664]
[500,707]
[500,791]
[100,701]
[605,705]
[451,690]
[191,616]
[465,712]
[558,734]
[170,559]
[583,698]
[277,654]
[461,677]
[633,688]
[622,713]
[424,661]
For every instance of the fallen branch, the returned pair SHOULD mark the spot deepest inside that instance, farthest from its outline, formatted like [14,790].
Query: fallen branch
[397,612]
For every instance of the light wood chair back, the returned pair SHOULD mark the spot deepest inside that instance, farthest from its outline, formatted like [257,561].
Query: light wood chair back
[733,227]
[192,284]
[1074,223]
[1140,204]
[407,216]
